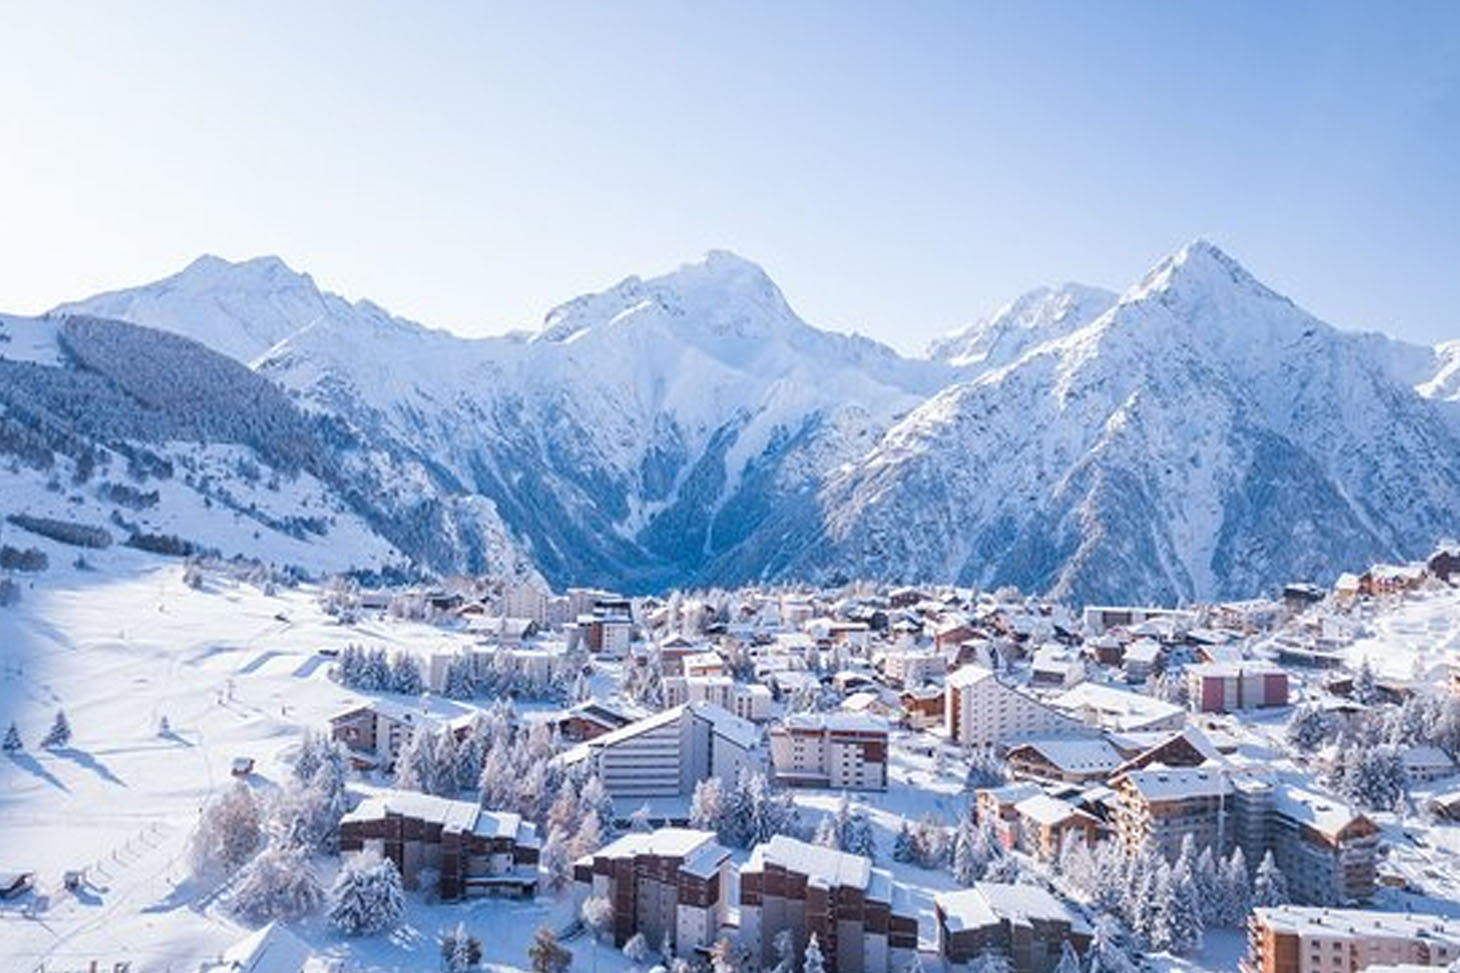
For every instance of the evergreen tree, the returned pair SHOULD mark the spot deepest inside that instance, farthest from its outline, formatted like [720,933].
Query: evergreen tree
[405,674]
[546,954]
[785,947]
[12,742]
[1366,690]
[811,959]
[557,859]
[1270,885]
[367,896]
[990,961]
[60,732]
[460,951]
[636,949]
[1237,890]
[1069,959]
[707,807]
[902,845]
[277,884]
[415,768]
[1184,929]
[228,833]
[1107,953]
[967,868]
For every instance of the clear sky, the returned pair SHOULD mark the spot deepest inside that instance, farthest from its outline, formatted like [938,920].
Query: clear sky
[897,167]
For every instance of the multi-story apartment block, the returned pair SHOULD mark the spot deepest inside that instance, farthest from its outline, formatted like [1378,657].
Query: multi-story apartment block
[671,885]
[981,711]
[861,917]
[526,600]
[473,851]
[844,751]
[1295,939]
[749,702]
[1222,687]
[1024,923]
[666,754]
[904,666]
[1327,852]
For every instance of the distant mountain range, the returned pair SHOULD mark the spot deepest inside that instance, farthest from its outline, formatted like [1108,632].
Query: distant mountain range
[1196,436]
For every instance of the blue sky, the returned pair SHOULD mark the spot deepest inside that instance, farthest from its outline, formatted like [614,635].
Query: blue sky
[897,168]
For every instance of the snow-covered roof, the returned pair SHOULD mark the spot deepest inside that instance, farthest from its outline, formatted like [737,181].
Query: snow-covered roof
[272,949]
[1345,923]
[1011,793]
[969,675]
[663,843]
[1323,814]
[836,722]
[460,817]
[823,867]
[1075,753]
[1047,810]
[1120,709]
[1158,783]
[989,903]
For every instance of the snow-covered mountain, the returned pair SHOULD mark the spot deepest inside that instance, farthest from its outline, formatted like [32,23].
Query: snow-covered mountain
[1197,435]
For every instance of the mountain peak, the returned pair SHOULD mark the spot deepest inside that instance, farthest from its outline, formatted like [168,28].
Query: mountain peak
[1200,267]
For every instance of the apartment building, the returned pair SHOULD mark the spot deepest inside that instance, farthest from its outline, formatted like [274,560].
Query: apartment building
[982,711]
[376,733]
[1024,923]
[1297,939]
[862,919]
[1224,687]
[473,851]
[843,751]
[671,885]
[666,754]
[1328,852]
[904,666]
[749,702]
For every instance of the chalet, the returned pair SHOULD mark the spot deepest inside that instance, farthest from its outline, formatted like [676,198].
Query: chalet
[1067,759]
[1388,579]
[1056,665]
[472,850]
[1025,924]
[376,733]
[861,917]
[923,706]
[1046,823]
[1426,763]
[995,808]
[672,886]
[593,718]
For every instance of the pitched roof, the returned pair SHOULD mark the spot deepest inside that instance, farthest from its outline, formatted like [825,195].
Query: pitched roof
[988,903]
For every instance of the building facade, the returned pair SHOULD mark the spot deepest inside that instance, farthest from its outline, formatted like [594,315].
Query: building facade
[1024,923]
[1297,939]
[981,711]
[860,916]
[844,751]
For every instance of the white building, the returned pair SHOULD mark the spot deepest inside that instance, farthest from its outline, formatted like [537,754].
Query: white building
[666,754]
[1118,710]
[981,711]
[842,751]
[526,600]
[749,702]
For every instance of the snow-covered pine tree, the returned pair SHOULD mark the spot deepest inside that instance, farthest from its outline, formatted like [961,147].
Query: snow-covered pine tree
[1107,951]
[443,759]
[826,835]
[1069,959]
[557,859]
[811,959]
[277,884]
[415,768]
[902,845]
[707,806]
[228,833]
[460,951]
[636,949]
[1184,928]
[546,954]
[1366,690]
[12,742]
[966,866]
[405,674]
[60,732]
[785,947]
[989,961]
[1269,885]
[1236,890]
[367,896]
[589,837]
[860,838]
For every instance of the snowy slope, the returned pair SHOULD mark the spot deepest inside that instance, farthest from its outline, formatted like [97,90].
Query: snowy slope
[1033,318]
